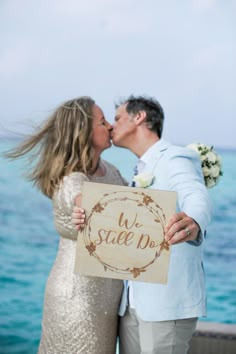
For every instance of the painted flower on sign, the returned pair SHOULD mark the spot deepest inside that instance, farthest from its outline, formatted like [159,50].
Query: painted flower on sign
[91,248]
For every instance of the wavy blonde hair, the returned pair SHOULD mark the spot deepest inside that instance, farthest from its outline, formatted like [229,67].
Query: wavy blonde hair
[63,144]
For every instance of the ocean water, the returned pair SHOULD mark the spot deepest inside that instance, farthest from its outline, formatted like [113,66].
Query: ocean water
[28,245]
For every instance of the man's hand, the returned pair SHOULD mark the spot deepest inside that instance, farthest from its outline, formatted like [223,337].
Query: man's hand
[78,217]
[181,228]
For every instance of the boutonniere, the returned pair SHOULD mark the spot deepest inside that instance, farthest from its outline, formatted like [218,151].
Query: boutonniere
[211,163]
[143,180]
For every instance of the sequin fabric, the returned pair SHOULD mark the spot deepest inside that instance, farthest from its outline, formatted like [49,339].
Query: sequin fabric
[80,312]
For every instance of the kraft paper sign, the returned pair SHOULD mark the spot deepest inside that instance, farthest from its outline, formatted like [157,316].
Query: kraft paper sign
[123,237]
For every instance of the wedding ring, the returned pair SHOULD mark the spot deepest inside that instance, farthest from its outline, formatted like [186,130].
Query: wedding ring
[187,231]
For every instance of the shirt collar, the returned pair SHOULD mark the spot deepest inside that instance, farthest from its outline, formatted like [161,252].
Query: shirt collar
[147,156]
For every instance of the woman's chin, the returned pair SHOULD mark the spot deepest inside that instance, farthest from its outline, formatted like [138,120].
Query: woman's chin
[108,146]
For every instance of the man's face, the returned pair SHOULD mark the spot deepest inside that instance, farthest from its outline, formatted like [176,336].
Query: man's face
[123,127]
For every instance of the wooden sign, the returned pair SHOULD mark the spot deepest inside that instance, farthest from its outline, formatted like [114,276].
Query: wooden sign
[123,237]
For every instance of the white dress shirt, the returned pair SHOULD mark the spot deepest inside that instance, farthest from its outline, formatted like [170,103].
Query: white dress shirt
[147,156]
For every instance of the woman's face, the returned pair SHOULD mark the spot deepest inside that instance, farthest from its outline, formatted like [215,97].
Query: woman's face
[101,130]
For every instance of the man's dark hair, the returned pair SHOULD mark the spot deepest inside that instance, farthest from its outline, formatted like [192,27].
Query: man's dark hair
[153,109]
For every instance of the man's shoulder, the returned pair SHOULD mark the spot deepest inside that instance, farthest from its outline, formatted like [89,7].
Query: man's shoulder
[173,150]
[166,146]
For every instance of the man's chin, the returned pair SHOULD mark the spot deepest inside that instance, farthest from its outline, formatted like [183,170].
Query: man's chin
[114,142]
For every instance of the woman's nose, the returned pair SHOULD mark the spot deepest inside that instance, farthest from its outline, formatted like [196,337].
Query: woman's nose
[109,127]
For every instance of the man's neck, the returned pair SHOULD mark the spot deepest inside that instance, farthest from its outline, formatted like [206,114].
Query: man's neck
[143,143]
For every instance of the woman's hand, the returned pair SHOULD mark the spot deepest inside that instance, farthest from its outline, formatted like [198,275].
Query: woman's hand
[78,213]
[78,217]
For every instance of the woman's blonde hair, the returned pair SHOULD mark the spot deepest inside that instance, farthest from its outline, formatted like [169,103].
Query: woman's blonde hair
[63,144]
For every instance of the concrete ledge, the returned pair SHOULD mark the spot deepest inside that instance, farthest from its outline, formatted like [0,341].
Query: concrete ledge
[213,338]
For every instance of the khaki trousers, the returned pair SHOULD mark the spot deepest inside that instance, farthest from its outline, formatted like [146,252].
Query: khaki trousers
[164,337]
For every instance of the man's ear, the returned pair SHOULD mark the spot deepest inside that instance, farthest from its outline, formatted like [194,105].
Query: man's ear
[140,117]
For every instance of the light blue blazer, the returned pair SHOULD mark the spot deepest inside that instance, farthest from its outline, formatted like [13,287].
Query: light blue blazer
[177,169]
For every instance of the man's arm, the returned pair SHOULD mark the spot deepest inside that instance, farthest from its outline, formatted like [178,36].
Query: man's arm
[185,177]
[181,228]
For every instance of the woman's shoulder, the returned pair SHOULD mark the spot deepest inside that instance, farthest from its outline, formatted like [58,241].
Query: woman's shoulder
[113,174]
[74,180]
[75,176]
[71,183]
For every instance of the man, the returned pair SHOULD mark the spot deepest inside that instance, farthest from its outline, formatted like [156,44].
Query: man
[159,318]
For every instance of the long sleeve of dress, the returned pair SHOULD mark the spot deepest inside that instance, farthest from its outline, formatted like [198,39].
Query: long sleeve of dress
[63,202]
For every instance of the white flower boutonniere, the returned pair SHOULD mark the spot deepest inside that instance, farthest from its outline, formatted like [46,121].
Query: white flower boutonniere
[143,180]
[211,163]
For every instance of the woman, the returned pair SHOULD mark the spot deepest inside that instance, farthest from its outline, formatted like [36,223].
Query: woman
[80,313]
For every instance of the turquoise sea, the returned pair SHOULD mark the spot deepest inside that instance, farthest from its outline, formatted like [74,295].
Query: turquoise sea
[28,244]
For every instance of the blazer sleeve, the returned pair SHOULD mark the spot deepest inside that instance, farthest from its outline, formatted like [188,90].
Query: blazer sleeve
[186,178]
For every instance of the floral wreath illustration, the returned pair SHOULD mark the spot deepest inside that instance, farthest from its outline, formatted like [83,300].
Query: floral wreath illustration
[100,206]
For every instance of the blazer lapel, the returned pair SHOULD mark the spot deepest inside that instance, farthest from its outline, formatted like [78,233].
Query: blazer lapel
[157,153]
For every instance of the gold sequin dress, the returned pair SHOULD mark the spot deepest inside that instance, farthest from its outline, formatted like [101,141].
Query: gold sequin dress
[80,312]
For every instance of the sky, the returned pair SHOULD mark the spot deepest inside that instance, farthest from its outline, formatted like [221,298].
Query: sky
[182,52]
